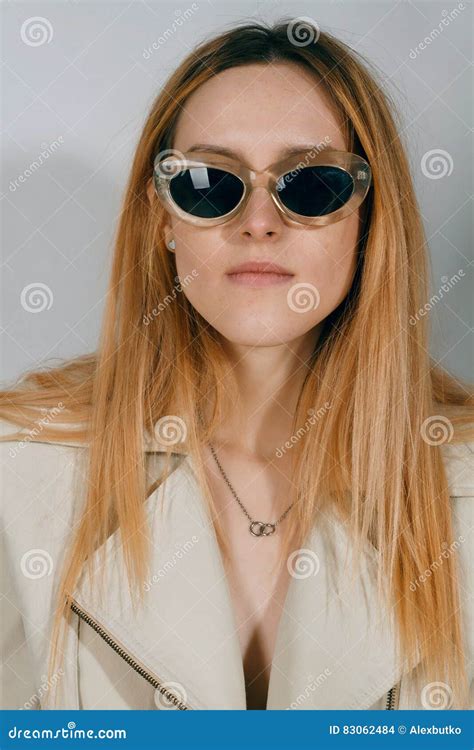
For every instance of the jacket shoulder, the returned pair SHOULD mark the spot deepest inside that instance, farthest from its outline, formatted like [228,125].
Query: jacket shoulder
[459,464]
[40,480]
[12,433]
[40,497]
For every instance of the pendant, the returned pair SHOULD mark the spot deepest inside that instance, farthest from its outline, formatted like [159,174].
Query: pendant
[259,528]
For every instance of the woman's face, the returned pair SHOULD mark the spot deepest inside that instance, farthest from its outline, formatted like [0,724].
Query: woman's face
[258,111]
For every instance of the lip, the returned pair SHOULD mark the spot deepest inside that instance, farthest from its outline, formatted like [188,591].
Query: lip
[259,267]
[259,273]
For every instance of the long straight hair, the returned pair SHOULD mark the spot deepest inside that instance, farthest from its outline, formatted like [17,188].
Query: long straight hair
[365,458]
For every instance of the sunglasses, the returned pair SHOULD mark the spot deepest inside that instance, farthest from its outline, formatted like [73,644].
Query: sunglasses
[209,189]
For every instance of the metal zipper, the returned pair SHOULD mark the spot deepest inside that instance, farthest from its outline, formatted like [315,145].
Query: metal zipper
[391,698]
[129,659]
[391,695]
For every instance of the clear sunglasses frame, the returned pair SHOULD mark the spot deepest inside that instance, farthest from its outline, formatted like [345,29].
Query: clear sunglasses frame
[165,169]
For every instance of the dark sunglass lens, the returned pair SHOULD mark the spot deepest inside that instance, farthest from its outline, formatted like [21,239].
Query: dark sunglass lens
[206,192]
[315,191]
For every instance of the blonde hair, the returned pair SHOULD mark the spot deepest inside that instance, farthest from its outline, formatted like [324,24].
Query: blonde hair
[366,459]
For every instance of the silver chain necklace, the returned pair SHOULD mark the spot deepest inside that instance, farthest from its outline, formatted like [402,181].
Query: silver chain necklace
[257,528]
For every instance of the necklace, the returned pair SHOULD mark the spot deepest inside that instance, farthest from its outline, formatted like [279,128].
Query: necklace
[257,528]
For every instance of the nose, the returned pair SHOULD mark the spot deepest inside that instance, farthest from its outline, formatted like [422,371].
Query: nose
[260,219]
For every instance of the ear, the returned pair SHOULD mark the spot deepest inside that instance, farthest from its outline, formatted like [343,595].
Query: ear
[150,191]
[167,230]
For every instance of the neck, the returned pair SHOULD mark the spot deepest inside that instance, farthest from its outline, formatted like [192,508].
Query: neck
[269,382]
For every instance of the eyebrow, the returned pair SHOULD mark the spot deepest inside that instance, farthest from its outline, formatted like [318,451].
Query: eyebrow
[290,151]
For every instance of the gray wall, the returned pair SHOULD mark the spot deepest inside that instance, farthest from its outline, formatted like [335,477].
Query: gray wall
[76,86]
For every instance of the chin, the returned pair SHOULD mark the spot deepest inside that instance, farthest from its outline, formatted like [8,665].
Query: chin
[255,335]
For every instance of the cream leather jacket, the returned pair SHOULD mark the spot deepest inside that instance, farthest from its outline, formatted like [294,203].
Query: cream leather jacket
[181,650]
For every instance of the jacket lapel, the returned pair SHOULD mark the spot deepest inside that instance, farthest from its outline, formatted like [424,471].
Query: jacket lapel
[333,649]
[184,633]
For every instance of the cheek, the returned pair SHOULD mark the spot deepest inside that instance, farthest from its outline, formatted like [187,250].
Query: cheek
[330,265]
[198,262]
[324,264]
[197,254]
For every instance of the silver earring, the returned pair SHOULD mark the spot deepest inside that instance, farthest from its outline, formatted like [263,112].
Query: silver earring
[171,245]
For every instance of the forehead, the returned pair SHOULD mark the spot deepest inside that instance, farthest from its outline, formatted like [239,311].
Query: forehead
[257,110]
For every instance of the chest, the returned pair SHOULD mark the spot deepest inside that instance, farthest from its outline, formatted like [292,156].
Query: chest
[256,575]
[257,586]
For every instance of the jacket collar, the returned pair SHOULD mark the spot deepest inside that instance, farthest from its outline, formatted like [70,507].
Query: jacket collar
[333,650]
[150,441]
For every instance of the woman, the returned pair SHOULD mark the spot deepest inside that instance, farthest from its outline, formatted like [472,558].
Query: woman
[256,493]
